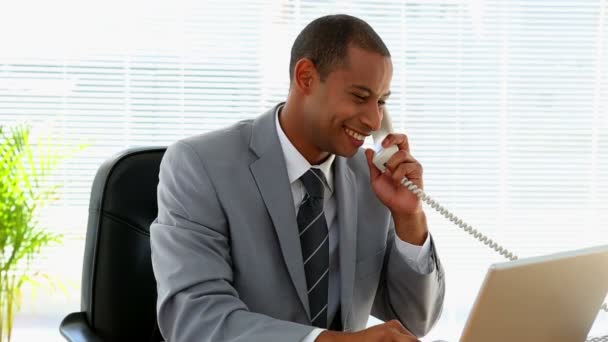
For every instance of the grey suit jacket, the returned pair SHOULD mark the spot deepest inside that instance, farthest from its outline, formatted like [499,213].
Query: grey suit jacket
[226,253]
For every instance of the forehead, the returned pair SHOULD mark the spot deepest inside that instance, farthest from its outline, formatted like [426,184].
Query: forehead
[366,68]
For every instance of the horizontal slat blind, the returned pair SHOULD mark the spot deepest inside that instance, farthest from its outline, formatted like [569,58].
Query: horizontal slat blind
[505,104]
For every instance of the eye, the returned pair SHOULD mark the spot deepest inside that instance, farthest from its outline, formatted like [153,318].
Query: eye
[382,102]
[359,98]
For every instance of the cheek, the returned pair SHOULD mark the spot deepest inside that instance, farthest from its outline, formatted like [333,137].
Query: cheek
[335,122]
[347,115]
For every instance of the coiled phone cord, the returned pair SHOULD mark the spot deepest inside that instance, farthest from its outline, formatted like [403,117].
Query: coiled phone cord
[457,221]
[461,224]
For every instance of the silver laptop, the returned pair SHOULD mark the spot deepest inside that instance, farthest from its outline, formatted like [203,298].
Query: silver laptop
[552,298]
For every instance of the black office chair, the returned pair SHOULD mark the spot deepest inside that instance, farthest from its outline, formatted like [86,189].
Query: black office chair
[118,296]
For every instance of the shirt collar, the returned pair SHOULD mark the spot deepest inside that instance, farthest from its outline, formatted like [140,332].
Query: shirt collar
[297,165]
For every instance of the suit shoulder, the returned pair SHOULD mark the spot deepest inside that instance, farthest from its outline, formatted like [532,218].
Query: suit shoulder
[228,142]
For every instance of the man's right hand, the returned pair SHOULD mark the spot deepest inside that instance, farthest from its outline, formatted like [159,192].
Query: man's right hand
[392,331]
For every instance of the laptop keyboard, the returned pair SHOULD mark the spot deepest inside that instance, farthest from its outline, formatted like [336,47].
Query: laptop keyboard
[594,339]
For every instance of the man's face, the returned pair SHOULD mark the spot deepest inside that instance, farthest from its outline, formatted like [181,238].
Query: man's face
[349,105]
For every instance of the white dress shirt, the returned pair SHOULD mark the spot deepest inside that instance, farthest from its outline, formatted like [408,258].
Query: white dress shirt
[418,257]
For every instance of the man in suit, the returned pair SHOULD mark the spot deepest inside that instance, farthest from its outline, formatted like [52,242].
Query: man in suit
[280,228]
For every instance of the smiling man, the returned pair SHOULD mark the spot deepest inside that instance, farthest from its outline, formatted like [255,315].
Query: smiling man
[281,228]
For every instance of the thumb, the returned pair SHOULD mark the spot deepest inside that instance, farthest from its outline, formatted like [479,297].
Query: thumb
[373,170]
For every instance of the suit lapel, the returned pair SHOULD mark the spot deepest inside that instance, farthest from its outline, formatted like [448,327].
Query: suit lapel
[270,174]
[346,200]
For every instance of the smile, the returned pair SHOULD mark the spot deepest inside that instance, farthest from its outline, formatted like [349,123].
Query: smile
[354,134]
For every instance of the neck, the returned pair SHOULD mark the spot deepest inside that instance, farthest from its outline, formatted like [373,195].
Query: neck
[295,127]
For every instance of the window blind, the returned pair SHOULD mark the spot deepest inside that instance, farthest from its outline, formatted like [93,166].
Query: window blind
[504,103]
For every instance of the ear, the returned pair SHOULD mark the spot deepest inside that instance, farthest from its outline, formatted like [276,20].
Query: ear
[304,75]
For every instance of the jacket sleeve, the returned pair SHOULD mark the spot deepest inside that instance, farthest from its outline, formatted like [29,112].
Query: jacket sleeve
[415,299]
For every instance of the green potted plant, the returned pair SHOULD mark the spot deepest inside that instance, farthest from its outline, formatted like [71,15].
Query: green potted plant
[25,188]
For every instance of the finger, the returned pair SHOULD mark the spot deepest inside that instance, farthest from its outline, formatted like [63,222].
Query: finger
[373,170]
[399,157]
[400,140]
[398,336]
[395,324]
[410,170]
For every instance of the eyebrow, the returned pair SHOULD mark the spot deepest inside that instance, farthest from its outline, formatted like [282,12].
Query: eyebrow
[364,88]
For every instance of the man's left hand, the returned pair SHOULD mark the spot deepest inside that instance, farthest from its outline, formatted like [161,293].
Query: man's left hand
[405,207]
[387,185]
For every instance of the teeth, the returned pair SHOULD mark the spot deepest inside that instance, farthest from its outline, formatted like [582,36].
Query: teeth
[354,134]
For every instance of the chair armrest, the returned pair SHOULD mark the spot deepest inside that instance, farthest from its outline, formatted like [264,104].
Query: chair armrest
[75,328]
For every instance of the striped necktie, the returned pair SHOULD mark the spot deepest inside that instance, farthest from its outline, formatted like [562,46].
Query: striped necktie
[314,240]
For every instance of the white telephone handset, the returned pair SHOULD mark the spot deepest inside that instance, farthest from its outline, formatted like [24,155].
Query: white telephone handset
[382,155]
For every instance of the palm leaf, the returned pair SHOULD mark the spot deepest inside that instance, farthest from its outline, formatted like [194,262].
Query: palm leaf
[25,187]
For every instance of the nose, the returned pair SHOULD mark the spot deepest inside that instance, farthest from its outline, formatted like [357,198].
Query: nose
[372,117]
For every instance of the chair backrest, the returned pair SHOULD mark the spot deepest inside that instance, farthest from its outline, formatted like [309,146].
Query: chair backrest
[118,286]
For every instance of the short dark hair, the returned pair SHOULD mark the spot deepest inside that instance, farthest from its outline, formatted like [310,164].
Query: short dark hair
[325,42]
